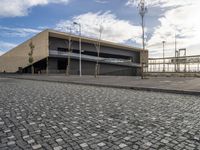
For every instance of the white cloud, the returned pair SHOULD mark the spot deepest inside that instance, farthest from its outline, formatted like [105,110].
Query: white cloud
[101,1]
[14,32]
[179,17]
[1,53]
[13,8]
[17,32]
[114,29]
[182,20]
[147,2]
[5,46]
[160,3]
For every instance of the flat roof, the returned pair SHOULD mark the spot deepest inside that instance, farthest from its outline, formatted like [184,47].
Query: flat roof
[64,35]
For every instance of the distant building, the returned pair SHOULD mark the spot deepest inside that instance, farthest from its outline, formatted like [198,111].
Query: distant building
[51,50]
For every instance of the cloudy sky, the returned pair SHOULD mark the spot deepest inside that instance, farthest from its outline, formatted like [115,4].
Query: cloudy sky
[118,19]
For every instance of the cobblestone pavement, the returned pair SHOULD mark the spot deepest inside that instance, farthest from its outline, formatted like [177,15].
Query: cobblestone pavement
[44,115]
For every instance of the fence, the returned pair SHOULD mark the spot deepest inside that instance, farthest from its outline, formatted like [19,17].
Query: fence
[174,64]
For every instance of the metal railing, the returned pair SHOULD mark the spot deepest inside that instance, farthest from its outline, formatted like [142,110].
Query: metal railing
[174,64]
[95,58]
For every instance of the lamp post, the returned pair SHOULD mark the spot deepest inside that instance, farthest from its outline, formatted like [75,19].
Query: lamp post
[175,60]
[142,11]
[80,67]
[163,42]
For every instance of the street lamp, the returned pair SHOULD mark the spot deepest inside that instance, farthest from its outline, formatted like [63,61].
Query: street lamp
[163,42]
[80,71]
[142,11]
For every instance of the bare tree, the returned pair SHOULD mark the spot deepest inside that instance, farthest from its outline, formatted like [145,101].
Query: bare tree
[30,54]
[69,57]
[98,48]
[69,50]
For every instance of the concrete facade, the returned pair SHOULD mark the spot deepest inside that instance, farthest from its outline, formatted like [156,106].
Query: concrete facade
[18,57]
[52,53]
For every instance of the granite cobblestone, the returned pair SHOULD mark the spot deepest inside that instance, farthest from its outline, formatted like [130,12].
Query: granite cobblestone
[44,115]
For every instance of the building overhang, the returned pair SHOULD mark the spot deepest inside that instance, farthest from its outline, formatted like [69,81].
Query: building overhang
[66,36]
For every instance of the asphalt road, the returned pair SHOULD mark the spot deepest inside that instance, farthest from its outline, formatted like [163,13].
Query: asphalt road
[44,115]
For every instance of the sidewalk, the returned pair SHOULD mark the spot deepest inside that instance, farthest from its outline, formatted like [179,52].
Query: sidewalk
[180,85]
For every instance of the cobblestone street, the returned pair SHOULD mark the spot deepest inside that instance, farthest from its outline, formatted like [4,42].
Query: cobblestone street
[44,115]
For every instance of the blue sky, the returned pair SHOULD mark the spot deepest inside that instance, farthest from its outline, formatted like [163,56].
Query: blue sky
[119,19]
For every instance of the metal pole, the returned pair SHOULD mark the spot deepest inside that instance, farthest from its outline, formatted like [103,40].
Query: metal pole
[163,56]
[175,55]
[80,47]
[142,12]
[143,44]
[198,65]
[178,64]
[185,60]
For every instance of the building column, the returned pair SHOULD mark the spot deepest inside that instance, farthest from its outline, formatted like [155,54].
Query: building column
[47,65]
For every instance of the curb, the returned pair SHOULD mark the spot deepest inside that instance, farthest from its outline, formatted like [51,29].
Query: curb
[196,93]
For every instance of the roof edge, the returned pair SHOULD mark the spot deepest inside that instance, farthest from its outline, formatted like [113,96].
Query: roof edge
[96,40]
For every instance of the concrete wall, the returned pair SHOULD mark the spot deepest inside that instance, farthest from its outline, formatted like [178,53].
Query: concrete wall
[18,56]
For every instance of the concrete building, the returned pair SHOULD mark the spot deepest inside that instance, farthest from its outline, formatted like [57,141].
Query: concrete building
[53,49]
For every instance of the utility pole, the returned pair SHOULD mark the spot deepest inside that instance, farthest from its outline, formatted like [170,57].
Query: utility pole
[142,11]
[163,42]
[175,54]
